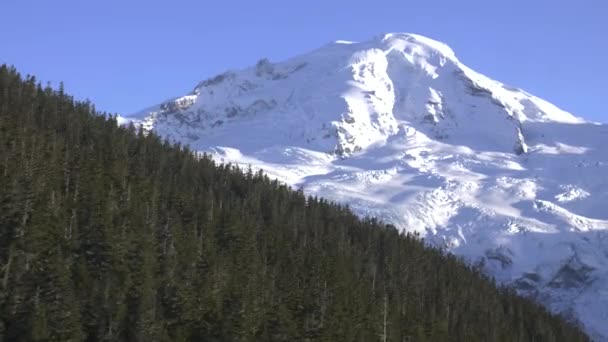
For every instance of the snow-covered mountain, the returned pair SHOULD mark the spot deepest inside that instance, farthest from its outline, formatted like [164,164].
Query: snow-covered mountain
[399,128]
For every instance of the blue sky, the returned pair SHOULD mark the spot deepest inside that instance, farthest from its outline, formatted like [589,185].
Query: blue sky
[125,55]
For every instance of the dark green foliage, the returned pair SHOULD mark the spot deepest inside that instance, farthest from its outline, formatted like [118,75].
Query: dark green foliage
[107,234]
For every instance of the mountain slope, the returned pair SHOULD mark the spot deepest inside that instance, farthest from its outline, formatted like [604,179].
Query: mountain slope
[399,128]
[107,234]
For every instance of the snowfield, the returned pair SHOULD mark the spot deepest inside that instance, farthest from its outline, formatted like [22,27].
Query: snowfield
[399,128]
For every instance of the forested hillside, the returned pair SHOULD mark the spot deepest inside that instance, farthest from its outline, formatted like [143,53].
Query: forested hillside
[107,234]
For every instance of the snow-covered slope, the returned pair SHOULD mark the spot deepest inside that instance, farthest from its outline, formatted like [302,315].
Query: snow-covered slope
[399,128]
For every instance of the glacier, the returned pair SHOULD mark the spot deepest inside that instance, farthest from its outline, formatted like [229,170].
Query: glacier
[398,128]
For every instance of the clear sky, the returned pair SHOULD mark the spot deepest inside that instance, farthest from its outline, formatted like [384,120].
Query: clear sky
[128,54]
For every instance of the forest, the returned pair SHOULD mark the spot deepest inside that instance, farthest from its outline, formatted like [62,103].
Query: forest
[110,233]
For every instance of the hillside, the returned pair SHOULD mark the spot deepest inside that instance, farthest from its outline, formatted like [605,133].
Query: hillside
[110,234]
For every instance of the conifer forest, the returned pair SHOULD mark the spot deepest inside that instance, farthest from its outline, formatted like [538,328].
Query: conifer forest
[110,233]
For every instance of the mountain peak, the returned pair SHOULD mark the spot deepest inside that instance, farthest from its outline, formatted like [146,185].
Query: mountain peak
[344,98]
[399,128]
[398,40]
